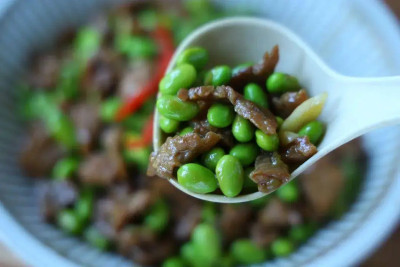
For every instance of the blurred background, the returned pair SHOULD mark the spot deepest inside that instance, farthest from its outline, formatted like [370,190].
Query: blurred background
[386,255]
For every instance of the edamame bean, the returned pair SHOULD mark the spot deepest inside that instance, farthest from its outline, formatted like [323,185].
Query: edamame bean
[135,46]
[247,182]
[314,130]
[138,156]
[300,233]
[209,212]
[186,130]
[282,247]
[197,178]
[218,75]
[245,153]
[211,158]
[189,253]
[279,120]
[256,94]
[267,142]
[229,173]
[158,217]
[174,108]
[195,56]
[206,240]
[168,125]
[246,252]
[86,43]
[288,192]
[278,83]
[69,221]
[242,129]
[220,115]
[96,239]
[183,76]
[109,108]
[62,129]
[84,205]
[65,168]
[173,262]
[241,67]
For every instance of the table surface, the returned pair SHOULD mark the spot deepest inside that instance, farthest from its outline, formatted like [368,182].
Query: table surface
[387,255]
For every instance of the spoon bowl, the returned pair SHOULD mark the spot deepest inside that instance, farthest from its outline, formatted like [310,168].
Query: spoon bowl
[354,105]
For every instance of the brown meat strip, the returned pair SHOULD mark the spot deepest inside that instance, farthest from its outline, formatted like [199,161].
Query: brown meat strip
[263,119]
[270,172]
[286,103]
[258,72]
[179,150]
[202,127]
[299,150]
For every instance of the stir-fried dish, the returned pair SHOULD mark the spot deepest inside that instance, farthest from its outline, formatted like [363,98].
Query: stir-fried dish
[88,105]
[230,120]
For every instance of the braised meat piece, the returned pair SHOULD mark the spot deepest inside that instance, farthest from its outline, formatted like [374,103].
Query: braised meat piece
[299,150]
[286,103]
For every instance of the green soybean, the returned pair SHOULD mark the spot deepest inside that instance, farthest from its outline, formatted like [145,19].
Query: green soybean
[183,76]
[109,108]
[278,83]
[256,94]
[65,168]
[207,242]
[314,130]
[288,192]
[69,221]
[158,217]
[218,75]
[96,239]
[174,108]
[190,254]
[241,67]
[84,205]
[229,173]
[209,212]
[246,252]
[211,158]
[173,262]
[86,43]
[135,46]
[245,153]
[282,247]
[138,156]
[301,232]
[279,120]
[197,178]
[168,125]
[220,115]
[242,129]
[186,130]
[195,56]
[62,129]
[267,142]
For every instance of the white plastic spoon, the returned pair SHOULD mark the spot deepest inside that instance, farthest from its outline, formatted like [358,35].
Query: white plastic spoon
[354,106]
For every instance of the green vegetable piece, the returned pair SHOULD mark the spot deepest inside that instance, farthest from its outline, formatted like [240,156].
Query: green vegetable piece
[173,262]
[96,239]
[226,261]
[209,212]
[219,75]
[246,252]
[84,205]
[282,247]
[158,217]
[182,76]
[190,254]
[289,192]
[241,67]
[135,46]
[148,19]
[279,120]
[195,56]
[87,43]
[197,178]
[314,130]
[220,115]
[267,142]
[69,80]
[186,130]
[138,156]
[300,233]
[109,108]
[69,221]
[247,182]
[256,94]
[245,153]
[168,125]
[61,128]
[211,158]
[242,129]
[278,83]
[207,242]
[65,168]
[174,108]
[230,175]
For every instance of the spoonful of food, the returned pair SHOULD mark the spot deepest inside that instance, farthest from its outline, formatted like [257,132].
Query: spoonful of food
[235,135]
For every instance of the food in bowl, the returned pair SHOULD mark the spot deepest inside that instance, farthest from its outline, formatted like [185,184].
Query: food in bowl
[223,129]
[89,152]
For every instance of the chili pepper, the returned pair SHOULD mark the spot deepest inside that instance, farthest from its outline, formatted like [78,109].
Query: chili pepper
[146,136]
[164,40]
